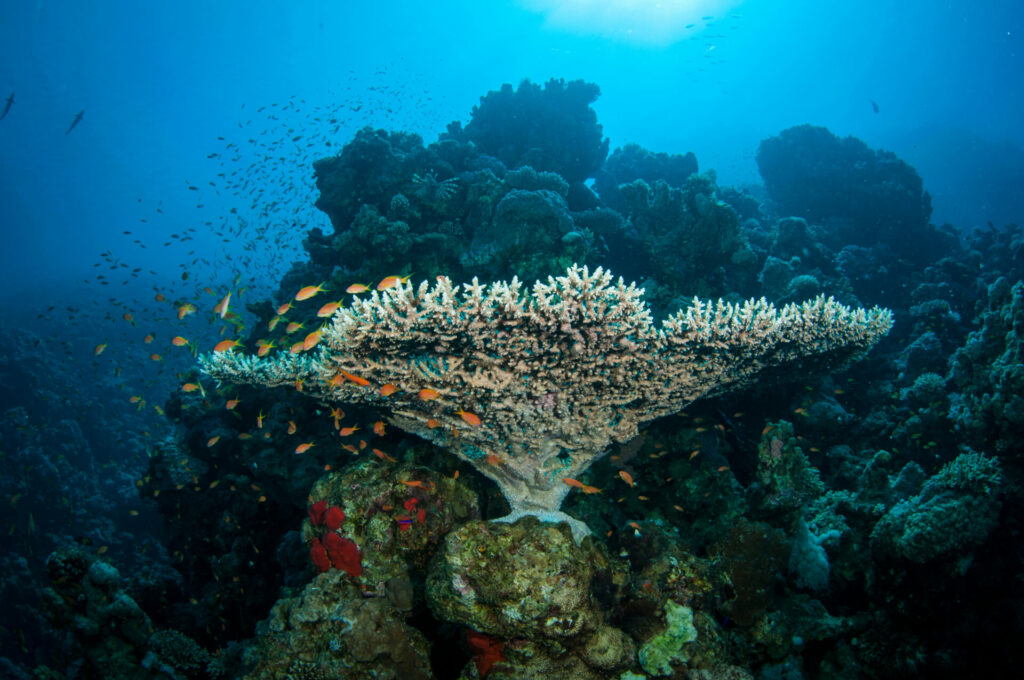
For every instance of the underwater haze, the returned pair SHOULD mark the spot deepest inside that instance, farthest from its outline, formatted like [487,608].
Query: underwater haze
[252,425]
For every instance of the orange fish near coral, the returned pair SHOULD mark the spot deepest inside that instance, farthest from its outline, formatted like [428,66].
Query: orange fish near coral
[383,456]
[311,340]
[470,418]
[225,345]
[426,394]
[388,390]
[302,448]
[179,341]
[357,288]
[392,281]
[328,310]
[186,309]
[355,378]
[308,292]
[626,477]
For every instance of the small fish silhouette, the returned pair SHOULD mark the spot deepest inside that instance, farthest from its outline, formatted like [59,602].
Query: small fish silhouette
[874,105]
[7,107]
[78,118]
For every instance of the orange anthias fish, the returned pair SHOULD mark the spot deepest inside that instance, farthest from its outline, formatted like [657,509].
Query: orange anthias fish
[292,327]
[179,341]
[417,484]
[355,378]
[311,340]
[383,456]
[626,477]
[128,317]
[292,427]
[264,349]
[346,431]
[308,292]
[283,309]
[337,414]
[388,390]
[580,485]
[392,281]
[470,418]
[297,348]
[357,288]
[426,394]
[328,309]
[99,349]
[378,428]
[149,338]
[186,309]
[225,345]
[231,404]
[302,448]
[190,387]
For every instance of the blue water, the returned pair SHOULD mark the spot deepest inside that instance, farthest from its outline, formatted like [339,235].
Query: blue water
[159,82]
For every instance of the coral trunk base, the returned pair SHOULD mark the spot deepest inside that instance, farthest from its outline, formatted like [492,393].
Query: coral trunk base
[579,529]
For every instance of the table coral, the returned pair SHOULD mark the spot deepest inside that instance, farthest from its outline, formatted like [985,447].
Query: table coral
[531,389]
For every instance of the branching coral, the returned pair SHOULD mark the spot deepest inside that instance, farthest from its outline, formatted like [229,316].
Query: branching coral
[531,389]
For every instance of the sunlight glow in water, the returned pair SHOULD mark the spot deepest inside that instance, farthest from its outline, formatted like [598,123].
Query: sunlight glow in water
[644,22]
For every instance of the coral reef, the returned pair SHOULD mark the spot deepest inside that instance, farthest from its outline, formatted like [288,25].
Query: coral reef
[872,195]
[693,237]
[531,390]
[548,128]
[955,510]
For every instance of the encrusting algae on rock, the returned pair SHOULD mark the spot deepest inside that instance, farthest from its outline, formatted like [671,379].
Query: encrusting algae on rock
[550,378]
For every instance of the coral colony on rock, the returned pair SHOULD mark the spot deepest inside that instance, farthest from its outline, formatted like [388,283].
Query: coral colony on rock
[817,475]
[551,380]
